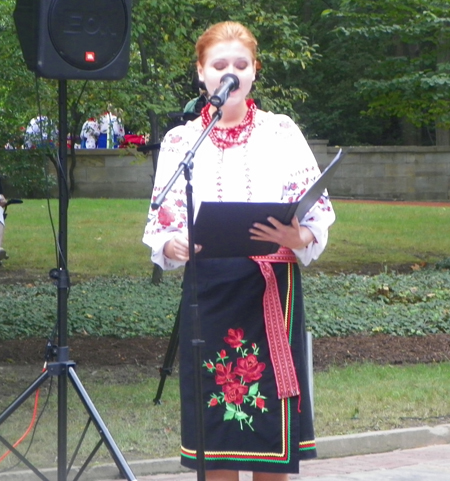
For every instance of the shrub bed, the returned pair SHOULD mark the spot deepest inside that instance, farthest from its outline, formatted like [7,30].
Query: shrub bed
[403,305]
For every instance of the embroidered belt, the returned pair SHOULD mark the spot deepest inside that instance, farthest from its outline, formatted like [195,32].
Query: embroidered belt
[280,351]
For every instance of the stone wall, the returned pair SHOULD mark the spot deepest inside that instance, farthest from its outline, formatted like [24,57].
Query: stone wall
[389,173]
[379,173]
[113,174]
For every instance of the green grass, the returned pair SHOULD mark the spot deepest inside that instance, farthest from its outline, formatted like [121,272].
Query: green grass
[368,397]
[355,399]
[104,239]
[140,429]
[105,236]
[387,234]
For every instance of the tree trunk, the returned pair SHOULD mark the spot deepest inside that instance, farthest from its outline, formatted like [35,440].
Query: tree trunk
[157,275]
[411,135]
[307,11]
[443,56]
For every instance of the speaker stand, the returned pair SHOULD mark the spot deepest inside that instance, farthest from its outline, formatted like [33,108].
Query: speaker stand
[63,368]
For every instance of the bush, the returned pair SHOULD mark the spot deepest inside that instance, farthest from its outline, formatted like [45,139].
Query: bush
[402,305]
[120,307]
[25,172]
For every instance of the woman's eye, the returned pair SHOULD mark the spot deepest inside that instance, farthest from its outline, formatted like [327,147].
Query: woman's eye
[219,66]
[241,65]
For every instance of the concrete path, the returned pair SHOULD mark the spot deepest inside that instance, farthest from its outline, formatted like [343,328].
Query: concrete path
[430,463]
[412,454]
[421,464]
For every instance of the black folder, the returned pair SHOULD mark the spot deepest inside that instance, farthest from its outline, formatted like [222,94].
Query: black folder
[222,228]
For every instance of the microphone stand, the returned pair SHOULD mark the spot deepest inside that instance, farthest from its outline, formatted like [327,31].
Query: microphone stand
[186,166]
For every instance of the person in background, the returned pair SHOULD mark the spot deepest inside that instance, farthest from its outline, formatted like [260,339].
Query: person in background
[89,134]
[131,139]
[194,107]
[257,409]
[111,131]
[3,254]
[40,132]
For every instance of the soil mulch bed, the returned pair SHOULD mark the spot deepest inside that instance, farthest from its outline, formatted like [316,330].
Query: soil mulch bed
[150,352]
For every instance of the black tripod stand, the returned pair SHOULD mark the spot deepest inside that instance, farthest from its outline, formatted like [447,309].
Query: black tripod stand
[63,368]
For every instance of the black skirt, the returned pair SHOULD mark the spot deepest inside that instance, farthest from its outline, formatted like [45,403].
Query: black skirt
[247,428]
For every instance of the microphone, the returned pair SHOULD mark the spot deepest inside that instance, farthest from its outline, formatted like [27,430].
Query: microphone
[228,83]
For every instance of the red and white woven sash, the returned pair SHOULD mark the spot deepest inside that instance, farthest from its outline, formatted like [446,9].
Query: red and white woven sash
[280,351]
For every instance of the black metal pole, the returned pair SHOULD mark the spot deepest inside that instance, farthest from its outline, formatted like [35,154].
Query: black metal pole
[63,368]
[63,283]
[186,167]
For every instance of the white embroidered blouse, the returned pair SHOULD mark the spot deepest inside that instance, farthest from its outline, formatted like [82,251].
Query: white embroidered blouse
[275,165]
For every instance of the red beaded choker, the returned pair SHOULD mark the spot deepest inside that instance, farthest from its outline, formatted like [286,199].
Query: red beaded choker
[225,138]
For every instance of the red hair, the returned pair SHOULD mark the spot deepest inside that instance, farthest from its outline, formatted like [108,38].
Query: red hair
[225,32]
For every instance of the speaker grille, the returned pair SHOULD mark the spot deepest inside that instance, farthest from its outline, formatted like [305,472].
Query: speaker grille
[89,35]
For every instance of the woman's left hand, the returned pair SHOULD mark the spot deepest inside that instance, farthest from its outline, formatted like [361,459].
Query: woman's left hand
[293,235]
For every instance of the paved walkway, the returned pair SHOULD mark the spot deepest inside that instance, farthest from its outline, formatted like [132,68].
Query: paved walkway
[411,454]
[431,463]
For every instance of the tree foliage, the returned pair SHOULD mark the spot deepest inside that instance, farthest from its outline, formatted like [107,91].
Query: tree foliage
[348,71]
[410,75]
[161,77]
[334,110]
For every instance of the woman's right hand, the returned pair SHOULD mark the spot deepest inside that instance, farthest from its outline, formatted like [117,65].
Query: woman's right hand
[177,248]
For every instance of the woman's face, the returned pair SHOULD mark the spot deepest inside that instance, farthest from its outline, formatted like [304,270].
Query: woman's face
[228,57]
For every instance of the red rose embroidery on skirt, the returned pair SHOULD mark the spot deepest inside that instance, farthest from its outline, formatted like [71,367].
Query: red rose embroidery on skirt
[235,337]
[238,382]
[249,368]
[234,392]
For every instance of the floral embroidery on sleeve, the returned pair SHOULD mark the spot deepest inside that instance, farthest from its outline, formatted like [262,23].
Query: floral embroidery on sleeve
[238,381]
[172,215]
[300,172]
[165,216]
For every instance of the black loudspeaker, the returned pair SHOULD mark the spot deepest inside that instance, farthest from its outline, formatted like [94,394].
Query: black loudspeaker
[75,39]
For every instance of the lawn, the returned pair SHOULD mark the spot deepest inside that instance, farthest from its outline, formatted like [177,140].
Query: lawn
[105,236]
[105,249]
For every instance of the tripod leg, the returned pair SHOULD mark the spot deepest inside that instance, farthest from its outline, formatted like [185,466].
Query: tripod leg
[88,460]
[23,459]
[101,427]
[10,410]
[24,396]
[169,357]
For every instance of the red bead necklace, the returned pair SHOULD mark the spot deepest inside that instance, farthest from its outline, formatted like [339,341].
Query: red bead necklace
[225,138]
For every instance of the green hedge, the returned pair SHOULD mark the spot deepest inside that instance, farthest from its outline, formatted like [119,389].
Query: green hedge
[403,305]
[24,172]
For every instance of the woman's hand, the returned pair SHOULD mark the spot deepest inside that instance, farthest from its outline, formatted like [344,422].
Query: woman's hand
[178,248]
[293,236]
